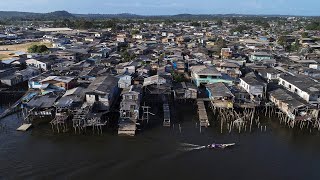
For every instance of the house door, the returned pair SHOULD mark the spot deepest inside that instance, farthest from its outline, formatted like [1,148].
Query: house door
[132,108]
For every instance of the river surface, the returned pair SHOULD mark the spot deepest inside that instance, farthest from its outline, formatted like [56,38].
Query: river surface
[157,153]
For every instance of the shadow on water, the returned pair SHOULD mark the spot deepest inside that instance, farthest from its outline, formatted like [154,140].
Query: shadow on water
[278,153]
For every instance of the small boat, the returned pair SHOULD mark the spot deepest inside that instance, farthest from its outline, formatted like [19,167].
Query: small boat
[219,146]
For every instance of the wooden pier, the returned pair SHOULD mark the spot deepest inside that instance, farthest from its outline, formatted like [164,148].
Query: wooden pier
[79,119]
[203,117]
[166,115]
[60,121]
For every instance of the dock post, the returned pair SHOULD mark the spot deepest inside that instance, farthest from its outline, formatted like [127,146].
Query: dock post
[251,123]
[221,125]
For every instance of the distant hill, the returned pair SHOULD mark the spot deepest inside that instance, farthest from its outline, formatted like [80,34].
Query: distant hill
[14,15]
[60,14]
[29,15]
[123,15]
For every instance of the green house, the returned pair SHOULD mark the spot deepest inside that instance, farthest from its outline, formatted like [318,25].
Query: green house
[260,56]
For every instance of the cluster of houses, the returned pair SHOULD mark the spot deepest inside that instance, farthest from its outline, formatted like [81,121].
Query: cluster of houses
[88,74]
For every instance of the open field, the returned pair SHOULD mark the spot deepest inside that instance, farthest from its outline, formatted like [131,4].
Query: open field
[4,56]
[7,51]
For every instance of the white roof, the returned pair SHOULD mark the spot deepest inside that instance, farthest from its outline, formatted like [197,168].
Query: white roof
[54,29]
[72,91]
[64,79]
[49,78]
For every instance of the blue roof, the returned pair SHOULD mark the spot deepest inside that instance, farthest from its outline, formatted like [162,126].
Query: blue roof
[9,61]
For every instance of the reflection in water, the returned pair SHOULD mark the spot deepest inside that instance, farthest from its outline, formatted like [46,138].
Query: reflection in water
[279,153]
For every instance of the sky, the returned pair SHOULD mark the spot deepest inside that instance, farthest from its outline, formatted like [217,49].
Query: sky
[167,7]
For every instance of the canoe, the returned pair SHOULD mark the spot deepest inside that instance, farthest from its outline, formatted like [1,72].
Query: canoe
[220,146]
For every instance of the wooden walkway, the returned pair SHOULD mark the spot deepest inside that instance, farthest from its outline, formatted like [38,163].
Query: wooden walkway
[203,117]
[166,115]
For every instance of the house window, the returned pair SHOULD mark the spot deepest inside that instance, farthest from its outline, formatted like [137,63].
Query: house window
[290,86]
[295,90]
[283,83]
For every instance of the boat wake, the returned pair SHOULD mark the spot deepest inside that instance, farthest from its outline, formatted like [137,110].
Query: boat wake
[192,147]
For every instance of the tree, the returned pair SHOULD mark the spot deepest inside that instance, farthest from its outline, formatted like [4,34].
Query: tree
[313,26]
[3,22]
[233,21]
[282,40]
[135,31]
[177,77]
[305,35]
[126,56]
[292,47]
[219,22]
[67,23]
[112,23]
[196,24]
[262,23]
[33,49]
[220,43]
[205,24]
[38,49]
[83,24]
[240,29]
[42,48]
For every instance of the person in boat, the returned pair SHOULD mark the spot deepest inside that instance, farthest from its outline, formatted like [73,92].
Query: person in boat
[213,146]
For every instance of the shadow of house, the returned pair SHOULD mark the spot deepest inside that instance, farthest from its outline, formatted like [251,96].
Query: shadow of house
[220,95]
[102,92]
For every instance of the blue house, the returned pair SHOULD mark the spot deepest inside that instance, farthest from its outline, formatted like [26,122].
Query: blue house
[202,75]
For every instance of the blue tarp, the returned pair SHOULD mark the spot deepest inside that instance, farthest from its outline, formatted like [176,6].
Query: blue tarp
[174,65]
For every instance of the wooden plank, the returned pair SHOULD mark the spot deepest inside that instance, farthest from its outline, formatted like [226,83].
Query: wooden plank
[24,127]
[202,112]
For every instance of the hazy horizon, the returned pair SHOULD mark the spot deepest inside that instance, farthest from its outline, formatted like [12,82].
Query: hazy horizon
[168,7]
